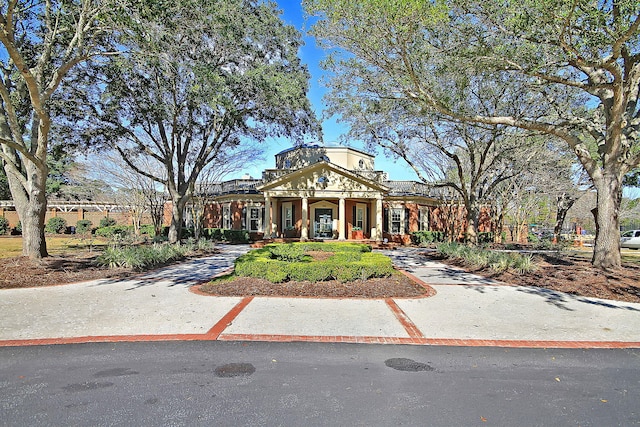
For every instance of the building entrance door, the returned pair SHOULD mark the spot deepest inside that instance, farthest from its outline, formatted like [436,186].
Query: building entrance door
[323,223]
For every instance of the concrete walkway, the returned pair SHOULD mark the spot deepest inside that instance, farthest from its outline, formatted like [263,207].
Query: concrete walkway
[467,310]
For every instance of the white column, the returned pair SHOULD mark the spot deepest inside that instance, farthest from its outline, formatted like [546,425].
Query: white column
[267,217]
[304,235]
[379,219]
[341,220]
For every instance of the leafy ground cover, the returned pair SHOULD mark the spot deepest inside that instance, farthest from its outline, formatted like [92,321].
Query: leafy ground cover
[344,270]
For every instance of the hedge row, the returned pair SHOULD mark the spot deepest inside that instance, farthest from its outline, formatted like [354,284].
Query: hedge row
[348,263]
[426,237]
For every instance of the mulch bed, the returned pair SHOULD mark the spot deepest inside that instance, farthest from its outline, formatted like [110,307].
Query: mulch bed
[396,286]
[23,272]
[570,274]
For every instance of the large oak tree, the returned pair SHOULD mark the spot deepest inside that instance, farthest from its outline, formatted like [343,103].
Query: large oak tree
[577,65]
[197,81]
[41,43]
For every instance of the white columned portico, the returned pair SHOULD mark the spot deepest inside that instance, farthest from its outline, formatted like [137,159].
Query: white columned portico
[304,234]
[341,219]
[267,217]
[379,219]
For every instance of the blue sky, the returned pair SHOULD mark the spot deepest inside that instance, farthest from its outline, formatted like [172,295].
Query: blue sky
[332,131]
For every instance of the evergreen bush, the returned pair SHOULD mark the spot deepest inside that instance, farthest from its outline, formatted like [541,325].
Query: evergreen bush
[114,230]
[107,222]
[426,237]
[56,225]
[4,225]
[282,262]
[83,226]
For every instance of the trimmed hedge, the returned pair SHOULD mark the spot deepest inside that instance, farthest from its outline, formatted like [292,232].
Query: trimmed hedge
[114,230]
[281,262]
[426,237]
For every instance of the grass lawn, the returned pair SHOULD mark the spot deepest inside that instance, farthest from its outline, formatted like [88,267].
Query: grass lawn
[11,246]
[628,255]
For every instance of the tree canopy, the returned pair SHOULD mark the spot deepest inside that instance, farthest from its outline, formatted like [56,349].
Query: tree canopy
[574,66]
[41,42]
[198,82]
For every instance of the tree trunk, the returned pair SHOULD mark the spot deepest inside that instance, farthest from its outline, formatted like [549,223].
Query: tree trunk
[564,203]
[177,214]
[472,218]
[606,252]
[31,207]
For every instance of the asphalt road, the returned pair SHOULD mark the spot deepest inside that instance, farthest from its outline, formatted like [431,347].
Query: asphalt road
[292,384]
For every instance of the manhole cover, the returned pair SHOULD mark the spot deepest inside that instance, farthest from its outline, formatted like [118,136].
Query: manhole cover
[407,365]
[235,370]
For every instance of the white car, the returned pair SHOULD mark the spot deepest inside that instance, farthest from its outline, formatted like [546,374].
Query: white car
[630,239]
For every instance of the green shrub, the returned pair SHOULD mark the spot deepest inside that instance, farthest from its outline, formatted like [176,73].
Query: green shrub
[56,225]
[4,225]
[236,236]
[426,237]
[486,237]
[148,230]
[213,234]
[281,262]
[289,253]
[18,228]
[107,222]
[114,230]
[83,226]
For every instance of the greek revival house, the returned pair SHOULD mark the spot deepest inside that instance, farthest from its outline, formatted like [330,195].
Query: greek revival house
[319,192]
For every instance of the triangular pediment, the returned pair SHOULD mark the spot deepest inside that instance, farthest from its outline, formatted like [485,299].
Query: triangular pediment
[323,178]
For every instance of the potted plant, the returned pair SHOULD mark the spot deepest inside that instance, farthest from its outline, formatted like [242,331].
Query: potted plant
[290,232]
[357,234]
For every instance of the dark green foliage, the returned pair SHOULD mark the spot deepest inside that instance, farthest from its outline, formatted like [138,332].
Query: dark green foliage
[114,230]
[107,222]
[426,237]
[236,236]
[288,253]
[486,237]
[56,225]
[83,226]
[281,262]
[148,230]
[213,234]
[18,228]
[4,225]
[5,193]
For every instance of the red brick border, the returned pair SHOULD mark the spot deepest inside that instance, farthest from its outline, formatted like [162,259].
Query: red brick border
[407,324]
[449,342]
[227,319]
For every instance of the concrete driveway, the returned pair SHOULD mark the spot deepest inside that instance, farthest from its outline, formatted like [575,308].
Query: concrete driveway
[467,310]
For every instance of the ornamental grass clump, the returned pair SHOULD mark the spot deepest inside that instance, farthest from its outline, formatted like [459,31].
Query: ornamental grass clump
[482,258]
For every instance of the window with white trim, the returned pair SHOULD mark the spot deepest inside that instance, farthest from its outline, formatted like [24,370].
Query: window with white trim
[226,217]
[254,218]
[396,219]
[423,224]
[288,217]
[359,218]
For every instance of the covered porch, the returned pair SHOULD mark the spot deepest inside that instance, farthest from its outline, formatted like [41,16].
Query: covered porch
[323,201]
